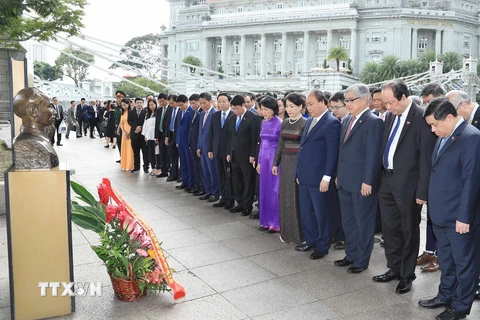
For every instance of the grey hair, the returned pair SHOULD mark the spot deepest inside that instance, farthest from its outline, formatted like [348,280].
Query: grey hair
[360,90]
[457,96]
[417,100]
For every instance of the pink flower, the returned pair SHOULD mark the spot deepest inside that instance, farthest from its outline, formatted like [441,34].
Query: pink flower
[103,193]
[142,252]
[111,212]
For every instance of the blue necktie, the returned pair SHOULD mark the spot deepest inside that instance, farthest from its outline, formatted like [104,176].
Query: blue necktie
[172,121]
[238,123]
[223,118]
[442,143]
[389,142]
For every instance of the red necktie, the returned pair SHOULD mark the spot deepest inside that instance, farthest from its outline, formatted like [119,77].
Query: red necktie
[350,125]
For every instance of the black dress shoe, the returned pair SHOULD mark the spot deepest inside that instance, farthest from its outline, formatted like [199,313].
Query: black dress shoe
[219,204]
[246,212]
[340,245]
[236,209]
[193,190]
[353,269]
[187,189]
[263,229]
[59,145]
[343,263]
[118,161]
[213,199]
[433,303]
[162,175]
[199,193]
[404,286]
[270,230]
[179,180]
[134,170]
[170,179]
[145,169]
[180,187]
[450,314]
[387,277]
[228,206]
[303,247]
[205,196]
[317,255]
[254,216]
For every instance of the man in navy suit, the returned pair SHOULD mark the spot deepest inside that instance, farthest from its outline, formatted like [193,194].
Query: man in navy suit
[136,118]
[209,170]
[193,144]
[217,150]
[160,133]
[183,129]
[315,174]
[358,167]
[453,198]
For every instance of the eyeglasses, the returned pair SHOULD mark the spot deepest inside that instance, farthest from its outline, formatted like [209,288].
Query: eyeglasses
[336,107]
[351,100]
[458,106]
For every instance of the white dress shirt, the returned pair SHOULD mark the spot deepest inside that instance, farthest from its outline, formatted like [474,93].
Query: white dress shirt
[394,144]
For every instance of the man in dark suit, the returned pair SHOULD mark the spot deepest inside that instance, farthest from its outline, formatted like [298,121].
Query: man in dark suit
[193,144]
[136,118]
[94,117]
[315,174]
[58,120]
[81,107]
[243,134]
[162,157]
[453,198]
[217,150]
[183,129]
[406,157]
[209,171]
[169,133]
[358,167]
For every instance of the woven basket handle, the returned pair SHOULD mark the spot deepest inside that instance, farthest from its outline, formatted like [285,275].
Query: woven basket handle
[130,270]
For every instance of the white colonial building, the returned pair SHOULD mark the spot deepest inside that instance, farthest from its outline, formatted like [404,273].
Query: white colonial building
[256,39]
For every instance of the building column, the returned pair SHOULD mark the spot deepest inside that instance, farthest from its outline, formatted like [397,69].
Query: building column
[306,51]
[329,39]
[224,54]
[284,53]
[414,43]
[438,42]
[353,50]
[263,55]
[206,53]
[164,63]
[243,53]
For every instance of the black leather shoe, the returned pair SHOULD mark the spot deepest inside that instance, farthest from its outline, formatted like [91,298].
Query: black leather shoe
[193,190]
[118,161]
[317,255]
[387,277]
[162,175]
[145,169]
[343,263]
[134,170]
[450,314]
[213,199]
[433,303]
[219,204]
[187,189]
[263,229]
[236,209]
[205,197]
[179,180]
[254,216]
[59,145]
[180,187]
[304,247]
[404,286]
[170,179]
[340,245]
[247,212]
[199,193]
[353,269]
[228,206]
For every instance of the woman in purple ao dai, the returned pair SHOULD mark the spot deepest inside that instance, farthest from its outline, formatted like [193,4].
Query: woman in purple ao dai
[269,184]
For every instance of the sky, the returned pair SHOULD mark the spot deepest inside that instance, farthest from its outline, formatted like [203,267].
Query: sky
[117,21]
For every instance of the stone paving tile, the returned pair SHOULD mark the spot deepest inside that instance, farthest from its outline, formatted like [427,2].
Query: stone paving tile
[92,272]
[189,210]
[84,254]
[167,225]
[228,230]
[203,254]
[202,220]
[232,274]
[5,313]
[4,267]
[78,239]
[254,245]
[311,311]
[267,297]
[4,293]
[396,312]
[184,238]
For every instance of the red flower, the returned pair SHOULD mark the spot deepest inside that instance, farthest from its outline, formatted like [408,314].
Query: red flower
[111,212]
[103,193]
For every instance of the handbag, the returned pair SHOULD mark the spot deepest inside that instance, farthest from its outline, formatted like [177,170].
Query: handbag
[62,128]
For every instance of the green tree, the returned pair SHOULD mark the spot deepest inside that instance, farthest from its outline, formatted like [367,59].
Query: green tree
[370,73]
[133,91]
[451,61]
[149,43]
[193,61]
[46,71]
[425,59]
[389,67]
[73,68]
[338,54]
[21,20]
[409,67]
[325,64]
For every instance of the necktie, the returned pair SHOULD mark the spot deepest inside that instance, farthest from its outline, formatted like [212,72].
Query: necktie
[224,117]
[161,118]
[314,122]
[442,143]
[194,116]
[172,121]
[350,125]
[205,119]
[138,113]
[238,123]
[58,112]
[389,142]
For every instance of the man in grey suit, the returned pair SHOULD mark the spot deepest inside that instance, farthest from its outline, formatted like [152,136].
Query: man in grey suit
[71,122]
[357,177]
[58,120]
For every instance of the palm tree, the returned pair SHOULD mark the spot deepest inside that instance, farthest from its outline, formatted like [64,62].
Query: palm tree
[389,67]
[451,61]
[425,59]
[369,73]
[193,61]
[338,54]
[409,67]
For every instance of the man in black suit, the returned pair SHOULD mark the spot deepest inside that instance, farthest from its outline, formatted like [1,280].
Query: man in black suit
[358,166]
[217,149]
[136,118]
[81,107]
[407,149]
[193,144]
[162,156]
[58,120]
[243,135]
[169,124]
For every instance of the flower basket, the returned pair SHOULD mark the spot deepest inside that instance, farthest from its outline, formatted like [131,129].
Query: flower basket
[127,289]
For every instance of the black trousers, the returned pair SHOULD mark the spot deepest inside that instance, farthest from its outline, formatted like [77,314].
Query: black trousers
[81,124]
[243,177]
[95,124]
[224,179]
[197,168]
[151,146]
[139,144]
[119,143]
[162,157]
[59,135]
[401,227]
[172,151]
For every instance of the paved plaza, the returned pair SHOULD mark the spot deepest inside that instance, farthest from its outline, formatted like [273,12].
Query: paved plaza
[229,269]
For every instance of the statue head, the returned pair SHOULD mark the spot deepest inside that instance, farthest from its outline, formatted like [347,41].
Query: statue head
[34,107]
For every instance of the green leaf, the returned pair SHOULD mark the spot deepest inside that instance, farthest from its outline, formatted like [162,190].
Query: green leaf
[83,193]
[87,222]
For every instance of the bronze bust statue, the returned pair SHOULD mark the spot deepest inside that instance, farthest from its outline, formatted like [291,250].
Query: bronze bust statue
[32,147]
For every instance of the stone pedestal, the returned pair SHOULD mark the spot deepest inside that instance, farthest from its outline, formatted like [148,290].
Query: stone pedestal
[5,78]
